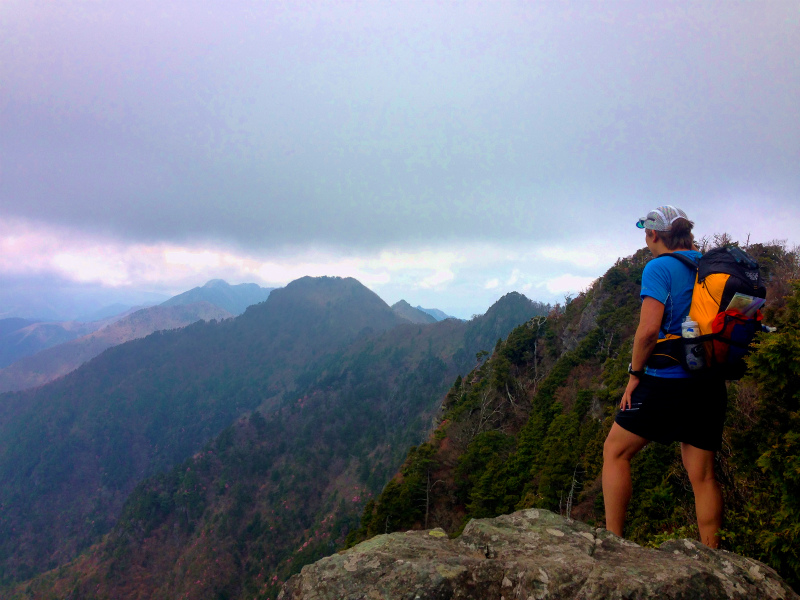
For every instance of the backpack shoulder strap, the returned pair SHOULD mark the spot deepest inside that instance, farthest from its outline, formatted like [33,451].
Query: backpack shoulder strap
[681,258]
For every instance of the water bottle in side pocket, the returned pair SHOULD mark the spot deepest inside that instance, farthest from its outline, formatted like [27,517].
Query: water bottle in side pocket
[694,352]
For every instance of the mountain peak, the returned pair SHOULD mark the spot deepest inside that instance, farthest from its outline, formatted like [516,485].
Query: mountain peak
[408,312]
[339,302]
[217,283]
[511,300]
[329,287]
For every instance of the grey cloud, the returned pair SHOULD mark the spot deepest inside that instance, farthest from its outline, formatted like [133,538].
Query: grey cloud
[362,125]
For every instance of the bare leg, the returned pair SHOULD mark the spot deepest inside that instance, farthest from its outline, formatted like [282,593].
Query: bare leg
[620,447]
[707,494]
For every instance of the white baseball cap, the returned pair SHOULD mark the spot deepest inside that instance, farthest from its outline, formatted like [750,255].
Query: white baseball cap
[661,218]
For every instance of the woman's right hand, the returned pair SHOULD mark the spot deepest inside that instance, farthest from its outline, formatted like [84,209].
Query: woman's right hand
[626,397]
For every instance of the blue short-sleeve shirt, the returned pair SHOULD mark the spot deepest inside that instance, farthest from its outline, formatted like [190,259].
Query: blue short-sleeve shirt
[670,282]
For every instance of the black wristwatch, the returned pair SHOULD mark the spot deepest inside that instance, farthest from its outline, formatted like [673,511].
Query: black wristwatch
[636,373]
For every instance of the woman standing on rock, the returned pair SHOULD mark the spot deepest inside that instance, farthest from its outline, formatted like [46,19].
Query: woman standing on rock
[666,404]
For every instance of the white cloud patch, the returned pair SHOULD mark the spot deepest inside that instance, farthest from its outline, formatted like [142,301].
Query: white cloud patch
[492,284]
[588,256]
[424,259]
[92,267]
[204,259]
[568,284]
[437,279]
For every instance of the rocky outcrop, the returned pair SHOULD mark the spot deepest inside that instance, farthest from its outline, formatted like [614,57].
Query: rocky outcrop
[574,334]
[531,554]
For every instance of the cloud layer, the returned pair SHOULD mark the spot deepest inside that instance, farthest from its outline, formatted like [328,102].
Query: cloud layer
[450,277]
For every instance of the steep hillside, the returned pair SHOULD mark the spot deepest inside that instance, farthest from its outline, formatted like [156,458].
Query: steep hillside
[71,451]
[284,486]
[526,429]
[405,310]
[231,298]
[49,364]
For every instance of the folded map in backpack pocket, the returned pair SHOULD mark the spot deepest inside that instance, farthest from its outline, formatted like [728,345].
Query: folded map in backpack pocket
[747,305]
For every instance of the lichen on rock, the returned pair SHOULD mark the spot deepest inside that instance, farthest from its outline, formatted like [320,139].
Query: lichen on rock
[531,554]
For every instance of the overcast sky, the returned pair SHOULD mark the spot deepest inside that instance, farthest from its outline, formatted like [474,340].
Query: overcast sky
[445,153]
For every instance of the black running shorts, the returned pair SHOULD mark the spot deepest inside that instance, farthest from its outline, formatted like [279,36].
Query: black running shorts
[690,410]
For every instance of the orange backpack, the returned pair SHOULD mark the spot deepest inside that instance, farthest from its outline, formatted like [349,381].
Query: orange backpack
[726,300]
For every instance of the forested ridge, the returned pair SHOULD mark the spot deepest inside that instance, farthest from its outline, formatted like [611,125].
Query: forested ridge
[283,485]
[71,451]
[526,429]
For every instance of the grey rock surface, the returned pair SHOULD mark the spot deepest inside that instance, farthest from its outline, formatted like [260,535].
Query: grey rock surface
[531,554]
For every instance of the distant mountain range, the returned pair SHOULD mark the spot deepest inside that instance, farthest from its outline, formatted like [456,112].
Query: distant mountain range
[417,314]
[24,337]
[231,298]
[33,353]
[435,313]
[343,385]
[49,364]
